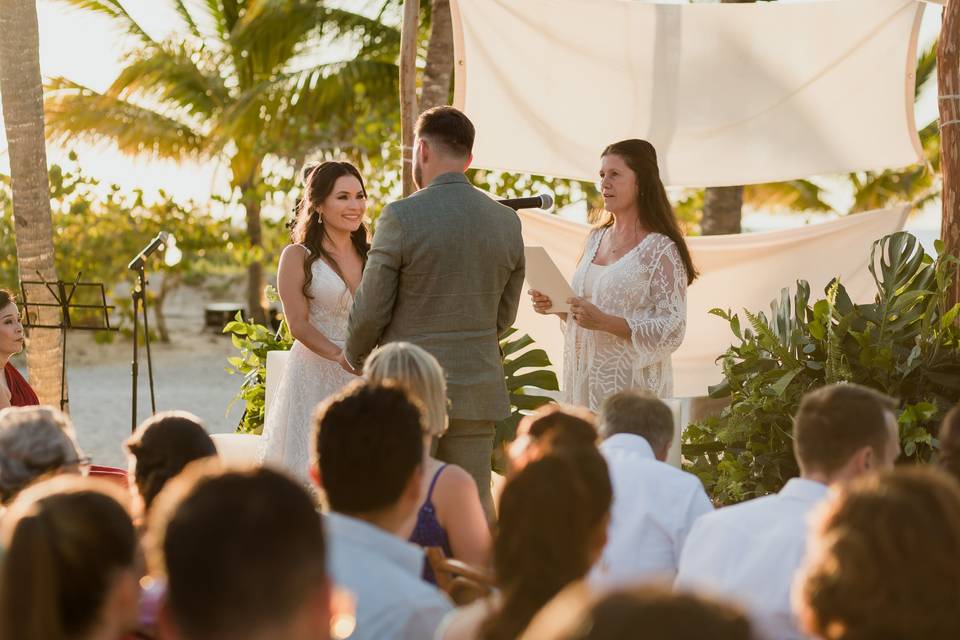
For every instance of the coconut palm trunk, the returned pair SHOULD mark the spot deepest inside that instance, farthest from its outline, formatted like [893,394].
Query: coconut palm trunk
[21,91]
[722,206]
[948,78]
[438,69]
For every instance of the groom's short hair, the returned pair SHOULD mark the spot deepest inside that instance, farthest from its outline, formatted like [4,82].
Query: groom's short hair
[449,128]
[369,441]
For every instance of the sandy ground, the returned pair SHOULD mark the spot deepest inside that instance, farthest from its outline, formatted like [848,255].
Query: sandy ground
[189,373]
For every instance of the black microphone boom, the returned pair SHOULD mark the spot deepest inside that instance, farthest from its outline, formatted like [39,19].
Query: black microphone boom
[160,239]
[542,201]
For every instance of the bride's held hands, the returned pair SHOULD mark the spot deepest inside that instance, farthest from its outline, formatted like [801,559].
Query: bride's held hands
[346,366]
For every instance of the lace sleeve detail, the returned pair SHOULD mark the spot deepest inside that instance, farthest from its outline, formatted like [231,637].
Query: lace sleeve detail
[657,330]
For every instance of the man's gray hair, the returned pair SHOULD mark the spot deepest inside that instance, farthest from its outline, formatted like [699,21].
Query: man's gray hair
[34,441]
[640,413]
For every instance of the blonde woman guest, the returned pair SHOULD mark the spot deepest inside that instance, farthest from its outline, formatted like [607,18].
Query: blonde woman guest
[629,314]
[450,516]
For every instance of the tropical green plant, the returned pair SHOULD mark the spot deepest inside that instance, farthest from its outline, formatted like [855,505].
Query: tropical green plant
[253,341]
[526,370]
[248,83]
[905,343]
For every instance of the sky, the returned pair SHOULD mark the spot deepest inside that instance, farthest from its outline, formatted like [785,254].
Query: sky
[86,49]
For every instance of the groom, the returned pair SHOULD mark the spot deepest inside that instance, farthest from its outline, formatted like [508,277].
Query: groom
[445,272]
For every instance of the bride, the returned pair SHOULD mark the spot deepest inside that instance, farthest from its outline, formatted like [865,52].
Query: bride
[317,277]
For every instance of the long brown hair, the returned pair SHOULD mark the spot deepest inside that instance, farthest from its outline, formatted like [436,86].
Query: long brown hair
[550,513]
[64,540]
[656,214]
[308,229]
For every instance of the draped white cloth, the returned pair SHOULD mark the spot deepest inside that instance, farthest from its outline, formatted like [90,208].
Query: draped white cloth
[745,271]
[727,93]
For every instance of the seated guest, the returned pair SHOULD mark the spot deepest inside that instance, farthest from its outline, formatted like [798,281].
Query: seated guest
[883,560]
[552,427]
[654,503]
[450,514]
[161,447]
[370,459]
[14,390]
[949,436]
[243,554]
[69,569]
[35,442]
[579,614]
[552,527]
[749,552]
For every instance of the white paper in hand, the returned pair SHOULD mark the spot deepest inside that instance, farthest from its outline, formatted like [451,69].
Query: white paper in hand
[543,275]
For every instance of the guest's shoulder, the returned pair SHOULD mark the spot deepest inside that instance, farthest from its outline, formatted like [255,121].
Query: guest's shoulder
[464,622]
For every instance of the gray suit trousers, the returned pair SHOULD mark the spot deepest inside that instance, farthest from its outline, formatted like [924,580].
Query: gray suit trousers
[469,444]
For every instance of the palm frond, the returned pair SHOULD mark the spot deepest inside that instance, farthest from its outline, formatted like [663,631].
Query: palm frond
[170,74]
[797,195]
[114,10]
[325,94]
[926,67]
[187,18]
[274,31]
[73,111]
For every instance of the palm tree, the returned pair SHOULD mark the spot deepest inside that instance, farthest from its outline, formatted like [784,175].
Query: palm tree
[22,93]
[247,81]
[948,74]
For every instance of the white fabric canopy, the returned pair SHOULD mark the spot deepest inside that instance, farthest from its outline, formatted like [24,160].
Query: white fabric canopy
[737,272]
[727,93]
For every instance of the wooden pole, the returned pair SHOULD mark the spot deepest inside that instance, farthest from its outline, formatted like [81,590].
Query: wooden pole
[948,81]
[408,88]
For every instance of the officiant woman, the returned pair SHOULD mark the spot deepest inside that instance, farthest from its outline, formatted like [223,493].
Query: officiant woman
[629,313]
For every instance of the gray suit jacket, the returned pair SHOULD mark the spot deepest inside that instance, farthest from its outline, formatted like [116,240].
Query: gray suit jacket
[445,272]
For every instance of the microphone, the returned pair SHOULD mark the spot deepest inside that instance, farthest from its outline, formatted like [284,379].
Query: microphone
[542,201]
[138,262]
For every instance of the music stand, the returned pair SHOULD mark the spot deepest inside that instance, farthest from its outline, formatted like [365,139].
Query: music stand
[93,317]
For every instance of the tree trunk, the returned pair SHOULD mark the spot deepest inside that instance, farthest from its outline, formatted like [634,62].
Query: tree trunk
[22,91]
[256,298]
[948,79]
[439,67]
[408,88]
[722,210]
[722,206]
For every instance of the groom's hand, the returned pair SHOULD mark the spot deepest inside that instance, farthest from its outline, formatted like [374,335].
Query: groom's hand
[346,365]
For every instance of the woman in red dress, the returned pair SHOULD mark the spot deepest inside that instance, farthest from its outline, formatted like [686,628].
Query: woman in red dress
[14,390]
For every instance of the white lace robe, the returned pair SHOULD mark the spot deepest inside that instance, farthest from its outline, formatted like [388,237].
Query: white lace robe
[647,287]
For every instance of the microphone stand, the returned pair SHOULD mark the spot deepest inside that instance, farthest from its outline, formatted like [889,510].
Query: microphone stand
[139,296]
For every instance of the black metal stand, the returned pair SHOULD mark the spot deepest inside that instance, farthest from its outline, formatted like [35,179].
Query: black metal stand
[139,296]
[62,293]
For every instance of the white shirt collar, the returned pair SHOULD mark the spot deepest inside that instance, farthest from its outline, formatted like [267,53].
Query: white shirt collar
[629,442]
[406,555]
[804,490]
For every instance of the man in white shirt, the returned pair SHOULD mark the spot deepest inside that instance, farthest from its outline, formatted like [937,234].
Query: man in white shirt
[750,552]
[654,503]
[370,458]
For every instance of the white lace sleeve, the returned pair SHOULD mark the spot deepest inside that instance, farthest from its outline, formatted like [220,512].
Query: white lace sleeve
[657,329]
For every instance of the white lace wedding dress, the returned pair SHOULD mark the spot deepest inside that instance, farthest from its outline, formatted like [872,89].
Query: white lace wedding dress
[307,379]
[647,287]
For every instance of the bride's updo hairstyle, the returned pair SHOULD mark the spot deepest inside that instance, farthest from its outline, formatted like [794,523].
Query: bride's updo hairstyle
[656,214]
[308,229]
